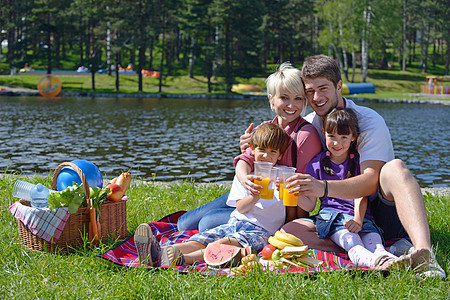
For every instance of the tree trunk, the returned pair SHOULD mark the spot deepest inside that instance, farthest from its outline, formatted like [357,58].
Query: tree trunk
[141,63]
[365,41]
[403,51]
[49,47]
[150,55]
[116,71]
[353,65]
[163,47]
[447,57]
[344,53]
[191,58]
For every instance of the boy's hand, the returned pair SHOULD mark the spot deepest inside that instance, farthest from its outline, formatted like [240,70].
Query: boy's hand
[252,187]
[352,226]
[244,140]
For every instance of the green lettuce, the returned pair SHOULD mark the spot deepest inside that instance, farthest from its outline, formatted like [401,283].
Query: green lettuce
[72,198]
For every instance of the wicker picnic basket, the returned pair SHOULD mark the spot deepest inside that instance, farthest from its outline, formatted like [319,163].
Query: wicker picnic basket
[113,221]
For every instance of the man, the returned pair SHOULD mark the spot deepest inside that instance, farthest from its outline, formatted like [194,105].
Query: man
[397,203]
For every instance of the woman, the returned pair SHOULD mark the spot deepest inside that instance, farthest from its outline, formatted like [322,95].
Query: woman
[287,99]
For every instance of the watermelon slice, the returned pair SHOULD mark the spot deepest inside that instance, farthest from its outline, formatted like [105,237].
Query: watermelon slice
[218,256]
[247,251]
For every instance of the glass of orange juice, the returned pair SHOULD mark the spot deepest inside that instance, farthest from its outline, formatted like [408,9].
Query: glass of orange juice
[288,199]
[264,170]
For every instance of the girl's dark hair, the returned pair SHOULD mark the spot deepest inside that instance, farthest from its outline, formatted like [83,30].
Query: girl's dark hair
[342,121]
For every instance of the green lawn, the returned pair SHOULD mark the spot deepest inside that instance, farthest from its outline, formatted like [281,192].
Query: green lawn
[389,84]
[80,275]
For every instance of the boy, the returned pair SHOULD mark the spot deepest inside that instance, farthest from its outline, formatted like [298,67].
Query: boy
[251,223]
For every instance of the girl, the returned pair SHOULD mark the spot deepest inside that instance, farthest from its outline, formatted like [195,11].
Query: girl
[347,222]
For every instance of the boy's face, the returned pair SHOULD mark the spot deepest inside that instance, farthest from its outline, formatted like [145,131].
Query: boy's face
[266,154]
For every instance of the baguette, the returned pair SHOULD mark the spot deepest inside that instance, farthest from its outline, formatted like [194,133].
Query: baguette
[124,181]
[294,250]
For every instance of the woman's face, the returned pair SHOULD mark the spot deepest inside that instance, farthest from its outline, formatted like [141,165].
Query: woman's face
[288,106]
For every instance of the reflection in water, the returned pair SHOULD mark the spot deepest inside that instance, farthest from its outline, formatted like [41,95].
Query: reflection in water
[175,139]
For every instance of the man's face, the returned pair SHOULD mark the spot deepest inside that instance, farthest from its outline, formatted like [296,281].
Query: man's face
[322,95]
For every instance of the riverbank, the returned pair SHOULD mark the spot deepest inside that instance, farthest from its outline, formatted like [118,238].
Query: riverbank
[18,91]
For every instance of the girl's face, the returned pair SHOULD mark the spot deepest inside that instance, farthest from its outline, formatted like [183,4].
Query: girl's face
[266,154]
[288,106]
[338,145]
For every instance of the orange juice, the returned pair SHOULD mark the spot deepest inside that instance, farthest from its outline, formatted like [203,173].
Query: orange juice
[265,192]
[289,199]
[281,191]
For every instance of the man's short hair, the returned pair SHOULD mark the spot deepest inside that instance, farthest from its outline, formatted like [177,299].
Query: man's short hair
[321,66]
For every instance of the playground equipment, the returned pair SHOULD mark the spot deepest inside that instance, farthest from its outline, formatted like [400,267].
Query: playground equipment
[49,86]
[436,85]
[358,88]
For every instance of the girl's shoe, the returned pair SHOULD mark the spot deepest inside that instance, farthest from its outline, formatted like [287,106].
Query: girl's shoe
[383,263]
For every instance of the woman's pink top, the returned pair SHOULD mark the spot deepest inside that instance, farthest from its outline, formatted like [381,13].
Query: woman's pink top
[308,145]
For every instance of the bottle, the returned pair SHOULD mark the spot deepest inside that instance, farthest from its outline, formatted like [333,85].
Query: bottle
[22,190]
[39,195]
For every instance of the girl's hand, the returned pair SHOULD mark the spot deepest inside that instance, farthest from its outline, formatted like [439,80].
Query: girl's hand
[306,185]
[250,185]
[244,140]
[352,226]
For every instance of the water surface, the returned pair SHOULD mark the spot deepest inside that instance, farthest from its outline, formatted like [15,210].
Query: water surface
[175,139]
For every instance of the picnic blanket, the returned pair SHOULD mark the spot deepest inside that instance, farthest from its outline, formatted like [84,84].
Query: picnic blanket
[42,222]
[166,233]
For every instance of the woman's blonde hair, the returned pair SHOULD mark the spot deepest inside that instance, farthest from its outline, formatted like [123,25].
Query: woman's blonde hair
[287,78]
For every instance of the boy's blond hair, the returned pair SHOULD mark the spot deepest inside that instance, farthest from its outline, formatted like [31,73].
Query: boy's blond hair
[287,78]
[270,135]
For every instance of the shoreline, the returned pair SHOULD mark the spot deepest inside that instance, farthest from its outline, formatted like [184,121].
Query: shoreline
[12,91]
[435,191]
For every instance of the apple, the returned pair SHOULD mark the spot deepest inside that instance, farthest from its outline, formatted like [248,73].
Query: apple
[115,192]
[267,252]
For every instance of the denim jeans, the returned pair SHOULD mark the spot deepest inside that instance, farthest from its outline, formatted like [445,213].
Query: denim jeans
[209,215]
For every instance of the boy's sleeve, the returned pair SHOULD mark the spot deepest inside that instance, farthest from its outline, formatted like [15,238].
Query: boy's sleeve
[237,192]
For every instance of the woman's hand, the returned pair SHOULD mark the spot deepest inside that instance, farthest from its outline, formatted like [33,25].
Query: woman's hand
[306,185]
[244,140]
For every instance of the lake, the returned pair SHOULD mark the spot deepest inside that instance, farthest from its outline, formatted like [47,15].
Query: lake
[176,139]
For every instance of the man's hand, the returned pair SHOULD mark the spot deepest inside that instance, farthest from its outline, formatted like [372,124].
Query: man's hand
[244,140]
[306,185]
[352,226]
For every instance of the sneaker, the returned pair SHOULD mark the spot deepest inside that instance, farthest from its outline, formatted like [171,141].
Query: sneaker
[171,255]
[383,263]
[147,247]
[401,247]
[433,269]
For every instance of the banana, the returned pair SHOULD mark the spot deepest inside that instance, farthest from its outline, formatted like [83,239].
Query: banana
[279,244]
[288,238]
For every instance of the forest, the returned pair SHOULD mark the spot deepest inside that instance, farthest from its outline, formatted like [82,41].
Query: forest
[222,38]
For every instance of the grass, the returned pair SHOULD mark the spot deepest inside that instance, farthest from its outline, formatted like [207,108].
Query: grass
[80,275]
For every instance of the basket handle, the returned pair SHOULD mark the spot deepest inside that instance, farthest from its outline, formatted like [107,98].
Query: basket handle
[80,173]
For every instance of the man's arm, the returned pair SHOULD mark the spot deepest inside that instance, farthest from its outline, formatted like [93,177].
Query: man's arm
[362,185]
